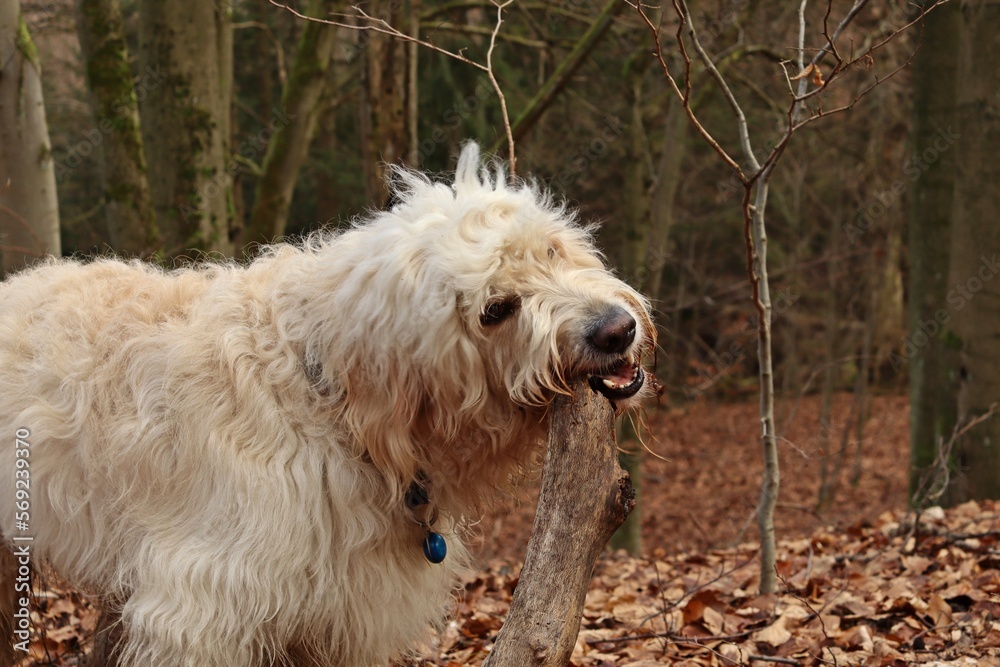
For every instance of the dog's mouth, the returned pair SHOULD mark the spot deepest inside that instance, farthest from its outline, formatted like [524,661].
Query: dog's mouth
[619,380]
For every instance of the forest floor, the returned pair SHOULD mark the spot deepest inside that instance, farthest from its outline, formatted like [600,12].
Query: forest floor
[859,586]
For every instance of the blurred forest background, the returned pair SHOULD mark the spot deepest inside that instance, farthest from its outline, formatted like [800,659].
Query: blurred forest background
[177,128]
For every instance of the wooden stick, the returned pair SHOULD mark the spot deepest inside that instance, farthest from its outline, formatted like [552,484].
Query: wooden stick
[585,496]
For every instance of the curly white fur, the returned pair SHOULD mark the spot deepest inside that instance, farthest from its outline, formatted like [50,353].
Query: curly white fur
[223,451]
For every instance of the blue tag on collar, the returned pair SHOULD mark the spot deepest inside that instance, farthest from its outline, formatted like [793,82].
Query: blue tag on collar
[435,548]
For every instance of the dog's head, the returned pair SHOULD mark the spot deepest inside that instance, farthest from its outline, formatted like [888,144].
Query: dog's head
[463,310]
[538,300]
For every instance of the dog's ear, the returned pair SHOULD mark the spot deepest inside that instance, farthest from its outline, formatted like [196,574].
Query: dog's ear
[410,383]
[406,400]
[409,418]
[381,411]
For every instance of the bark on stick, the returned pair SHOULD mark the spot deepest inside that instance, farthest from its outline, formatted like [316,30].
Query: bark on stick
[585,496]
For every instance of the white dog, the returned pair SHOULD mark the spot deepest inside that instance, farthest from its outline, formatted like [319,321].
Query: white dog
[260,464]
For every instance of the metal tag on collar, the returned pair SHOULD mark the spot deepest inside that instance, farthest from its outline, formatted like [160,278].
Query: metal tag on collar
[435,547]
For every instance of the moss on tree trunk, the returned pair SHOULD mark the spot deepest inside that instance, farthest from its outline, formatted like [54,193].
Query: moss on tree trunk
[185,122]
[29,211]
[129,212]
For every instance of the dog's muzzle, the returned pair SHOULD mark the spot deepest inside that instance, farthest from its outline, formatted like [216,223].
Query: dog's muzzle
[623,381]
[612,336]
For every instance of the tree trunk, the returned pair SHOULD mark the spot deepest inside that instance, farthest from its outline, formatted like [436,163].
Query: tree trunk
[329,194]
[188,46]
[975,252]
[301,101]
[29,210]
[584,497]
[633,238]
[890,319]
[662,207]
[128,205]
[385,102]
[860,406]
[632,234]
[932,389]
[830,373]
[771,482]
[649,216]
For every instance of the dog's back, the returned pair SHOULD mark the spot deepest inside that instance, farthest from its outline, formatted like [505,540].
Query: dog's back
[80,345]
[174,464]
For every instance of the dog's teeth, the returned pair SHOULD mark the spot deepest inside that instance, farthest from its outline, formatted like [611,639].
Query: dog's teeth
[631,359]
[610,385]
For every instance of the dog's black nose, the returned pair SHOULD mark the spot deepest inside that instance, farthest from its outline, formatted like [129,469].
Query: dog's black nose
[614,332]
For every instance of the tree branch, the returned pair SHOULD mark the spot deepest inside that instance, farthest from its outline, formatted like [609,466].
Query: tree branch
[447,26]
[685,96]
[560,77]
[378,25]
[279,52]
[512,158]
[741,119]
[381,26]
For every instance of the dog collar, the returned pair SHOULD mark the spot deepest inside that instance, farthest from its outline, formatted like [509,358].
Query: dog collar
[435,547]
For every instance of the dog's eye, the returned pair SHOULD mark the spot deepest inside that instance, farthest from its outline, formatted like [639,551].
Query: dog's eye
[498,311]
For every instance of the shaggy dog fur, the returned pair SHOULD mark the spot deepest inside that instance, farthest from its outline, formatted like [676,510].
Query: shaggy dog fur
[223,452]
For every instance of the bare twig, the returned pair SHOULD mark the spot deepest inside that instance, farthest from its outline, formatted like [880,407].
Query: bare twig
[938,476]
[375,24]
[741,120]
[667,605]
[378,25]
[6,247]
[677,639]
[561,75]
[496,87]
[279,52]
[774,658]
[446,26]
[831,40]
[857,98]
[19,219]
[841,66]
[802,32]
[685,99]
[755,237]
[817,613]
